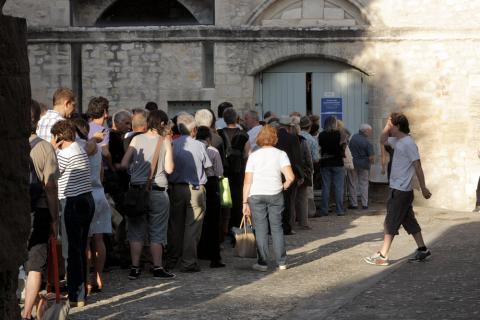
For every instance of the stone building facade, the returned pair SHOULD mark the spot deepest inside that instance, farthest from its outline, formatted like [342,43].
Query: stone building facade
[420,57]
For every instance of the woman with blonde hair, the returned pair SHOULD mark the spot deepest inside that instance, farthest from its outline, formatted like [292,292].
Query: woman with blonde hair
[263,195]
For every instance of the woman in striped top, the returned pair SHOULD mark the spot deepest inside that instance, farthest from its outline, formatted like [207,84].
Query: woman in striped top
[75,186]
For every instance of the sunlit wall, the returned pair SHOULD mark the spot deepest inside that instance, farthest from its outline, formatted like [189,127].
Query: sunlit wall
[427,65]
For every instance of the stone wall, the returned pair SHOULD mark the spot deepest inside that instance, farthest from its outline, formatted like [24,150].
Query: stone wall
[50,68]
[130,74]
[40,13]
[435,84]
[378,13]
[234,12]
[232,81]
[420,55]
[391,13]
[440,14]
[14,129]
[310,13]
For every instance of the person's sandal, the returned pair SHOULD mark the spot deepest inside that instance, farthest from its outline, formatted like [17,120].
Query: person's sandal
[93,288]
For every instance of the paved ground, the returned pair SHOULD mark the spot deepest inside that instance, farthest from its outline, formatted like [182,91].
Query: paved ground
[447,287]
[327,278]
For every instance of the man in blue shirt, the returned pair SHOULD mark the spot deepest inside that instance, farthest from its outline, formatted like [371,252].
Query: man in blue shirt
[363,156]
[187,196]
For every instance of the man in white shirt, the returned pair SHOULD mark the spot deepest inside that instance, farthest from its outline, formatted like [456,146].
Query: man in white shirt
[63,107]
[253,126]
[220,123]
[406,164]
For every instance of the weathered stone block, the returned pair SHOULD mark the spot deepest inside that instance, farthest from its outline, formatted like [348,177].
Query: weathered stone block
[333,14]
[313,9]
[56,62]
[277,23]
[339,23]
[308,23]
[127,46]
[40,13]
[292,14]
[122,55]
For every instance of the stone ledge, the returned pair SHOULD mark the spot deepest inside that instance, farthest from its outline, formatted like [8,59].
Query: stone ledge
[243,34]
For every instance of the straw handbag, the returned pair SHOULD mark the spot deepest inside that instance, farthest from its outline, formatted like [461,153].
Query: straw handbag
[245,244]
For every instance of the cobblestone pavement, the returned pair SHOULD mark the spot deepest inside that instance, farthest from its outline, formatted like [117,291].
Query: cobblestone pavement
[445,287]
[326,279]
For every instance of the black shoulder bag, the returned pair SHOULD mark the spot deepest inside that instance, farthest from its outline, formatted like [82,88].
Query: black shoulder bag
[137,200]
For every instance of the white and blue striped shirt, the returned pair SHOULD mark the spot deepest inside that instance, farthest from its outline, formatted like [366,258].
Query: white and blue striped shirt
[74,172]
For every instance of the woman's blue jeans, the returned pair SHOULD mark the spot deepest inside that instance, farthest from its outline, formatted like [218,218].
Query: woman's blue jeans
[335,175]
[265,209]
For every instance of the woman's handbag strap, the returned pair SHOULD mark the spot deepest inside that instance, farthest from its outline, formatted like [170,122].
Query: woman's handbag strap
[243,223]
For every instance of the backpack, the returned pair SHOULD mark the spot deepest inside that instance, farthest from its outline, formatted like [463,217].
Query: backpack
[235,161]
[36,186]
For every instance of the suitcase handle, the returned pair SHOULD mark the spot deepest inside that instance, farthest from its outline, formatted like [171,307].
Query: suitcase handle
[53,280]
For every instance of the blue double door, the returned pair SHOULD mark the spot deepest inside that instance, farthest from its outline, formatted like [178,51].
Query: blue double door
[301,85]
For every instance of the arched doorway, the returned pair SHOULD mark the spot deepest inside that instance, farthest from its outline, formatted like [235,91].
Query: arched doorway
[305,85]
[94,13]
[146,12]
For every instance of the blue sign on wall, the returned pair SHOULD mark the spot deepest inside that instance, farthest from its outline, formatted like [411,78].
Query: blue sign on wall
[331,107]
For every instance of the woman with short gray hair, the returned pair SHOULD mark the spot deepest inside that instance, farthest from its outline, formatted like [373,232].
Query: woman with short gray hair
[204,117]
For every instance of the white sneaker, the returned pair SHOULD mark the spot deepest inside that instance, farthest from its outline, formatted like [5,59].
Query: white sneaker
[260,267]
[282,267]
[377,259]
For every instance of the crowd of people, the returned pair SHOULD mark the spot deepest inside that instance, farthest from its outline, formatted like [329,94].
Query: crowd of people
[163,177]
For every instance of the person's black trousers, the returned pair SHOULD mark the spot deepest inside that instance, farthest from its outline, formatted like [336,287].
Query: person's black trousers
[289,196]
[209,245]
[78,216]
[236,189]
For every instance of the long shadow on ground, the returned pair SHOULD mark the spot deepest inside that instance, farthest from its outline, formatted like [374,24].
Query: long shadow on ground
[197,295]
